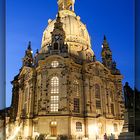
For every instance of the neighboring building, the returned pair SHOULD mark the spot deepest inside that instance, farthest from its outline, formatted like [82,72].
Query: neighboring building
[63,91]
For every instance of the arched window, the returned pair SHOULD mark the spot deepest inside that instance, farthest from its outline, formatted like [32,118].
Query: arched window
[78,126]
[55,85]
[54,100]
[76,87]
[97,96]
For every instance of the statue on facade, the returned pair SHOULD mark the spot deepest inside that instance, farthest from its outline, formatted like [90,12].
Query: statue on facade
[128,94]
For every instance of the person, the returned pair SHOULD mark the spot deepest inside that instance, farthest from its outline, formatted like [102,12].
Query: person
[111,137]
[105,136]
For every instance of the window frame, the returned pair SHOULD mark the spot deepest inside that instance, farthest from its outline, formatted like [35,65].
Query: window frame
[78,127]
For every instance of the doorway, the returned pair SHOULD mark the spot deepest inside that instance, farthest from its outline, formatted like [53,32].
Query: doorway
[53,127]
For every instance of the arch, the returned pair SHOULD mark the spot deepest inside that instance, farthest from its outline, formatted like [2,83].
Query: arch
[78,126]
[53,128]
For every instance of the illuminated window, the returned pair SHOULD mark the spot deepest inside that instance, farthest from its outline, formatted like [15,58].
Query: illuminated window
[55,85]
[78,126]
[76,87]
[76,105]
[54,64]
[54,103]
[53,123]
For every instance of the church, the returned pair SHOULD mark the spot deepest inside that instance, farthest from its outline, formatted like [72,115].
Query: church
[62,92]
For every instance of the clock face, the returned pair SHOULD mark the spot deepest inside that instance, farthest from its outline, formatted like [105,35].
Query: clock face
[56,37]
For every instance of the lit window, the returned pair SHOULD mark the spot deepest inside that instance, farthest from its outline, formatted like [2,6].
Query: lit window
[54,123]
[54,64]
[76,105]
[55,85]
[54,103]
[78,126]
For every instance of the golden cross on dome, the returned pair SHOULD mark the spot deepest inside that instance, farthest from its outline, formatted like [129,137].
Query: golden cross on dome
[66,4]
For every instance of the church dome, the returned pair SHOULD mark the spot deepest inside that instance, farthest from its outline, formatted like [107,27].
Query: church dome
[76,33]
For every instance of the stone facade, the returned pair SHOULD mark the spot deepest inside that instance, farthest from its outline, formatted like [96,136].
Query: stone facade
[63,91]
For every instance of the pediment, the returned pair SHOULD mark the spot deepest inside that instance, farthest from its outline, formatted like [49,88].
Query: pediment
[25,70]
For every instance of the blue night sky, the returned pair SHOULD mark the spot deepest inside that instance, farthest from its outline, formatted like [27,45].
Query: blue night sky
[26,20]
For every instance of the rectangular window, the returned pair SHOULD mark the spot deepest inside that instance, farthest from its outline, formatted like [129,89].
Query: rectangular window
[78,126]
[98,104]
[76,105]
[54,103]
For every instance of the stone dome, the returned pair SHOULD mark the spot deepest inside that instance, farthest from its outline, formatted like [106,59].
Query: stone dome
[75,31]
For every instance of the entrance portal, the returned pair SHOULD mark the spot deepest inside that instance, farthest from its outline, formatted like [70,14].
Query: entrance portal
[53,127]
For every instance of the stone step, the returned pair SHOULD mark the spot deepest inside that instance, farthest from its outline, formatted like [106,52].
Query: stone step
[51,138]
